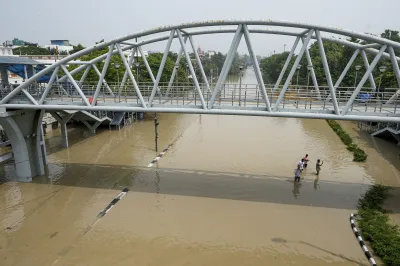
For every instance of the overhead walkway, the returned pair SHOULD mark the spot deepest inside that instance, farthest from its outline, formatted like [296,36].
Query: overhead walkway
[23,67]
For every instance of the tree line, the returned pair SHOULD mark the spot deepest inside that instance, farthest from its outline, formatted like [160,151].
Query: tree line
[338,56]
[212,65]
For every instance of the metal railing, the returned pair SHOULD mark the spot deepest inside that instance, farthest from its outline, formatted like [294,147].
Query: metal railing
[230,95]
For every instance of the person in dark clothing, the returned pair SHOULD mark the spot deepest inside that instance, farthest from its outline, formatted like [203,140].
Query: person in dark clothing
[318,166]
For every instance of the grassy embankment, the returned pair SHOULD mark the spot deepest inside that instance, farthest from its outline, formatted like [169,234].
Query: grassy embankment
[375,226]
[358,154]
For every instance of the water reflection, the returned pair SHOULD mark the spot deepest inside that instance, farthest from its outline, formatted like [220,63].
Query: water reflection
[296,189]
[316,185]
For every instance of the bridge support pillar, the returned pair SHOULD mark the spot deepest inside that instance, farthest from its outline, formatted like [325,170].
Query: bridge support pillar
[63,125]
[24,130]
[92,128]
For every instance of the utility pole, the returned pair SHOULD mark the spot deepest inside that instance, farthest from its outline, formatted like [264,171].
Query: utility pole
[156,130]
[240,83]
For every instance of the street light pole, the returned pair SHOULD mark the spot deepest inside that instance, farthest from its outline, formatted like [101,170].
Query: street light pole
[382,69]
[309,68]
[298,70]
[240,84]
[156,130]
[117,66]
[358,67]
[137,70]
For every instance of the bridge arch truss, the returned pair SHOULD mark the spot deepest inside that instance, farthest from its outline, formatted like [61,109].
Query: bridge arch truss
[207,97]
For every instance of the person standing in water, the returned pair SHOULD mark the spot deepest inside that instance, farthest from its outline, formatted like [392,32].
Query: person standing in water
[318,166]
[297,173]
[301,164]
[305,161]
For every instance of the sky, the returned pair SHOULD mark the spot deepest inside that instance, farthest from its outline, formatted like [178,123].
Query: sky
[88,21]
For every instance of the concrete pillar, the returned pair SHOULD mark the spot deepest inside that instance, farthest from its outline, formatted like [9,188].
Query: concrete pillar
[92,128]
[24,130]
[64,135]
[63,126]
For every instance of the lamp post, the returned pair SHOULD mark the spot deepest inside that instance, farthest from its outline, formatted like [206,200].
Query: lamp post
[382,69]
[156,130]
[240,83]
[298,70]
[190,78]
[358,67]
[117,66]
[137,70]
[309,68]
[187,74]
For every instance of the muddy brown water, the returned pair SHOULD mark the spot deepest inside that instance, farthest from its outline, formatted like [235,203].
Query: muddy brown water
[223,194]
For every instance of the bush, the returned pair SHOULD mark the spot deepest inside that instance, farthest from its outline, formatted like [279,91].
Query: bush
[376,228]
[358,154]
[374,198]
[352,147]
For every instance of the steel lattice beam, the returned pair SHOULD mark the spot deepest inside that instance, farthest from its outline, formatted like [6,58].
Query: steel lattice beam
[299,30]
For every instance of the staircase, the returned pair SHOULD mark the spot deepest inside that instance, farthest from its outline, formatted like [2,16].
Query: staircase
[117,120]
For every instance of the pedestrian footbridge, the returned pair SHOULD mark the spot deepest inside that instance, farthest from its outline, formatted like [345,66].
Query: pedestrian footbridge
[204,96]
[23,106]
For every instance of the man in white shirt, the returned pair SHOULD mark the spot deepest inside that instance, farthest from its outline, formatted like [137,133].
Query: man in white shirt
[301,164]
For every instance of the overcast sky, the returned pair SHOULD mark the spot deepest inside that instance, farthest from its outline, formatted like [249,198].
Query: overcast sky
[88,21]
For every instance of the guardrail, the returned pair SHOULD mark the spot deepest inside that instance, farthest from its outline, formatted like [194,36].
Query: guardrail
[246,95]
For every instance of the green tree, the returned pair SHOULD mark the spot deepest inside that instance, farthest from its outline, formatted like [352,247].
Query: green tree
[271,67]
[337,56]
[77,48]
[31,50]
[154,61]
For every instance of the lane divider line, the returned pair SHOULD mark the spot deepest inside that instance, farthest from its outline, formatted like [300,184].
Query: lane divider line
[361,241]
[113,202]
[161,154]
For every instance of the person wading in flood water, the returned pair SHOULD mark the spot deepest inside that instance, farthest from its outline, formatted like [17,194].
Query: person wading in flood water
[301,164]
[318,166]
[305,161]
[297,173]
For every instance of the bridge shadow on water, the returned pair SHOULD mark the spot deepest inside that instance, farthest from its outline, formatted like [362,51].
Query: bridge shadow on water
[229,186]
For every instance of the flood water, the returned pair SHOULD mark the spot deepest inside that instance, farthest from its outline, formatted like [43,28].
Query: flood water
[223,194]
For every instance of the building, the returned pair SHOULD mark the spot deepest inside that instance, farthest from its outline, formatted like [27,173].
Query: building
[14,68]
[200,52]
[16,42]
[211,53]
[60,46]
[6,51]
[12,78]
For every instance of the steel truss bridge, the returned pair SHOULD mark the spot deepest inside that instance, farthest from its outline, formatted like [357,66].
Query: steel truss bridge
[203,96]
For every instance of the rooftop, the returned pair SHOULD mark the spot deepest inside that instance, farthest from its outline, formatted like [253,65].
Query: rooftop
[15,60]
